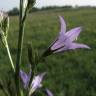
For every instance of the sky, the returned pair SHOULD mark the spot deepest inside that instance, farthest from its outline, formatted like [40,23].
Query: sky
[9,4]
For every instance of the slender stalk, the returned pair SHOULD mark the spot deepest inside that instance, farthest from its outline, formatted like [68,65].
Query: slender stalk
[19,52]
[9,55]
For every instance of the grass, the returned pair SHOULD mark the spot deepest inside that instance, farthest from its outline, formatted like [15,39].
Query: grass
[70,73]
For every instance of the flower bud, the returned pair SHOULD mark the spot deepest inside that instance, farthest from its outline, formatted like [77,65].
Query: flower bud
[4,22]
[28,4]
[31,4]
[25,4]
[2,37]
[1,17]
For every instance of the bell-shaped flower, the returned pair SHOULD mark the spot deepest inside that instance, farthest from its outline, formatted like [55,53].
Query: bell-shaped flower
[36,82]
[25,78]
[65,40]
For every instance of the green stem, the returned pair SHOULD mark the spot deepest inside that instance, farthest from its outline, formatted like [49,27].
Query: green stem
[9,55]
[19,52]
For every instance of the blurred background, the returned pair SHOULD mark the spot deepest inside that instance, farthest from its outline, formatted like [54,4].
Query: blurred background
[9,4]
[70,73]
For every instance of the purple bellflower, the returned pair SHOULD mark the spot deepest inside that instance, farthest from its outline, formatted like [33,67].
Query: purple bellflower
[25,78]
[36,82]
[64,41]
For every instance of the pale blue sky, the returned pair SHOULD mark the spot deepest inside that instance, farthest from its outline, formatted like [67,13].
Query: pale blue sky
[9,4]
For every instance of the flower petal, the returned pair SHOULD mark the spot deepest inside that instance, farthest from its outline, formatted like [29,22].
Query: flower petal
[63,25]
[61,49]
[61,43]
[57,44]
[36,83]
[24,78]
[72,46]
[73,34]
[48,92]
[77,45]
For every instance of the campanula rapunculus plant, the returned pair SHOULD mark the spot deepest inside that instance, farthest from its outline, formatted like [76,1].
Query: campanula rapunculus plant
[29,84]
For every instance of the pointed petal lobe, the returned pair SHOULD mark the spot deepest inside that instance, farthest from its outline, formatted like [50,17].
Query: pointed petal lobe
[72,46]
[73,34]
[77,45]
[24,78]
[63,25]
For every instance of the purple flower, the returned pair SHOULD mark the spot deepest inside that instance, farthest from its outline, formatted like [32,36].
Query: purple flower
[64,41]
[36,82]
[25,78]
[48,92]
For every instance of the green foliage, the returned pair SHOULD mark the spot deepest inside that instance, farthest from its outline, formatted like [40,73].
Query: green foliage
[69,73]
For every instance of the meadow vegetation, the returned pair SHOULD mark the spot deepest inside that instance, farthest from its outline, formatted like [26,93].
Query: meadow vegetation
[71,73]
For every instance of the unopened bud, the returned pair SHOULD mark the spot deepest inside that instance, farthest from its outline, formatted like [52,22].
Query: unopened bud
[28,4]
[2,37]
[4,22]
[1,17]
[25,3]
[31,3]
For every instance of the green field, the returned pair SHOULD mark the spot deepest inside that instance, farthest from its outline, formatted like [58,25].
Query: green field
[70,73]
